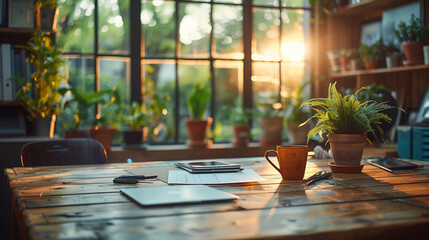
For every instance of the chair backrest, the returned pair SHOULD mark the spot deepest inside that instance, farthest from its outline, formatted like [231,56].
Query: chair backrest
[63,152]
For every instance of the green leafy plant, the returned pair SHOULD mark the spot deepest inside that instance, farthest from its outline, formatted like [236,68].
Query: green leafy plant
[294,114]
[198,100]
[240,116]
[41,96]
[84,102]
[369,53]
[412,32]
[136,115]
[339,114]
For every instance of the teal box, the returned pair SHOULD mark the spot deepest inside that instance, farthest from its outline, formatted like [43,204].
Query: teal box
[404,141]
[420,143]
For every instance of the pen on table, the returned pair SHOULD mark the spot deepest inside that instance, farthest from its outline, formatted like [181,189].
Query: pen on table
[379,166]
[140,177]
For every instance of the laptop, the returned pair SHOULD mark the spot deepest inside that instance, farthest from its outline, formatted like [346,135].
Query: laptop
[182,194]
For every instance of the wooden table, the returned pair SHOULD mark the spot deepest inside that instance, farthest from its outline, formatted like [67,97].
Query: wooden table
[82,202]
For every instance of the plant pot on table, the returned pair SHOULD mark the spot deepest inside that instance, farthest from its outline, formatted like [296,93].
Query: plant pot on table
[347,150]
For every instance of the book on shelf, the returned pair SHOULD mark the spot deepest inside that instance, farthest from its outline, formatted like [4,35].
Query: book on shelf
[6,60]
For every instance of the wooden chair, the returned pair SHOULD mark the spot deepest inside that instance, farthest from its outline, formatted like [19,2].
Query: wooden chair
[63,152]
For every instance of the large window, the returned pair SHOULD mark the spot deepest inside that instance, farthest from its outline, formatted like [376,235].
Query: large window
[247,51]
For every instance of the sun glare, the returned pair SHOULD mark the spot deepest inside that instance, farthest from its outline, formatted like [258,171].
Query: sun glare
[293,51]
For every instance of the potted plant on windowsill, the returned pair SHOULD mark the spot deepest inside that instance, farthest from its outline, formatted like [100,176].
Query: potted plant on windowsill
[240,119]
[80,104]
[271,123]
[41,98]
[295,115]
[137,117]
[346,121]
[413,37]
[197,126]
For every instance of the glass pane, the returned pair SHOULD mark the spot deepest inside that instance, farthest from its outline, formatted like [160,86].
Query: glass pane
[115,73]
[228,31]
[229,90]
[295,34]
[163,75]
[194,29]
[200,0]
[190,73]
[79,71]
[295,3]
[158,26]
[228,1]
[293,74]
[274,3]
[75,26]
[265,82]
[114,26]
[266,33]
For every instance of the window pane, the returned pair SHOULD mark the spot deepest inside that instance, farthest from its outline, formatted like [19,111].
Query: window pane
[190,73]
[158,24]
[194,29]
[295,35]
[114,26]
[163,75]
[293,74]
[295,3]
[79,71]
[228,31]
[265,81]
[228,1]
[75,26]
[265,44]
[274,3]
[115,72]
[229,90]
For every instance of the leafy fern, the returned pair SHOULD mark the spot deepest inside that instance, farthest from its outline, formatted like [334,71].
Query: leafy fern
[339,114]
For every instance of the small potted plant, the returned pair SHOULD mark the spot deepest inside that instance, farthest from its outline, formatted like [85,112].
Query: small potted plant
[295,115]
[240,119]
[270,122]
[41,97]
[137,117]
[346,121]
[369,54]
[392,56]
[197,126]
[413,37]
[346,58]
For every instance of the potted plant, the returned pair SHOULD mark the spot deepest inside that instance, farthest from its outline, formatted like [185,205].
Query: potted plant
[392,56]
[413,37]
[46,14]
[136,116]
[271,123]
[240,119]
[369,54]
[197,126]
[81,103]
[41,98]
[295,115]
[346,121]
[346,58]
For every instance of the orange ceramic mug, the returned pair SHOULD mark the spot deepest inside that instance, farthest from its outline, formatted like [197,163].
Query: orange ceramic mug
[292,160]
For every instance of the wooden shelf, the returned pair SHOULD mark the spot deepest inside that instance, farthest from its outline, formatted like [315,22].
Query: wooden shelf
[369,6]
[377,71]
[17,30]
[10,103]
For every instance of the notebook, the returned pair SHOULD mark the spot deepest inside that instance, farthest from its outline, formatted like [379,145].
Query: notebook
[183,194]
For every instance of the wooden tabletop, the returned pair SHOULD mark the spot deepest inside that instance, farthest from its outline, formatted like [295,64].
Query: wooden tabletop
[82,202]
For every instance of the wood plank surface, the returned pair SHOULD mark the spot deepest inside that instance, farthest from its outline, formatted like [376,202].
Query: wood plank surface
[82,202]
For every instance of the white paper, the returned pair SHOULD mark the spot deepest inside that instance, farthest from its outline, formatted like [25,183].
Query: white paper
[184,177]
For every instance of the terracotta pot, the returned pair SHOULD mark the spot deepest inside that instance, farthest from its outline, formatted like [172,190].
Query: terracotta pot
[271,131]
[135,136]
[241,136]
[347,149]
[369,64]
[413,53]
[104,135]
[76,134]
[298,135]
[197,131]
[345,63]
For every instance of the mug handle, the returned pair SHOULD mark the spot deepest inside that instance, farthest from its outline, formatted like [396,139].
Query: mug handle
[272,164]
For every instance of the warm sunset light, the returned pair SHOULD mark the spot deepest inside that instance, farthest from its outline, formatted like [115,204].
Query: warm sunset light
[293,51]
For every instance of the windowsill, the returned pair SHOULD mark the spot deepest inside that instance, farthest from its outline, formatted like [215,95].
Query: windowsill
[143,153]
